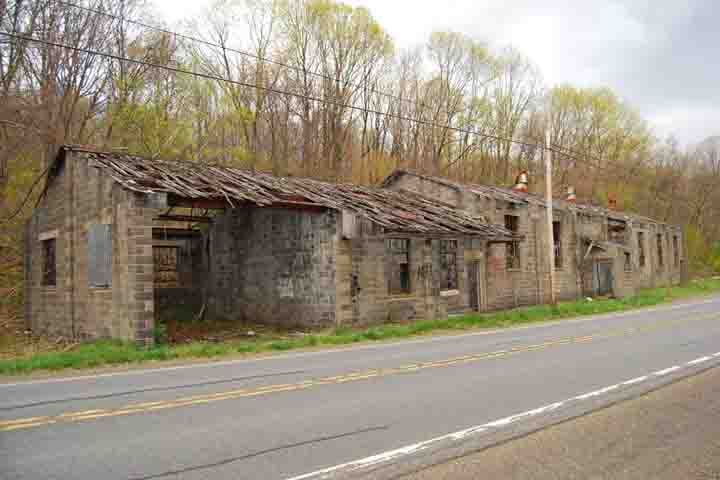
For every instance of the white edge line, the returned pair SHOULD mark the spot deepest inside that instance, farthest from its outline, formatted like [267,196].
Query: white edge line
[357,347]
[479,429]
[666,371]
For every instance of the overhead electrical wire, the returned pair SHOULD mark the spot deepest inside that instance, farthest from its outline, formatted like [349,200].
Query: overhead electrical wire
[271,61]
[255,56]
[274,90]
[555,148]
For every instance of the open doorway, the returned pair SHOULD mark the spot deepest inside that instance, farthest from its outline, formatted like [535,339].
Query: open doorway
[180,266]
[603,278]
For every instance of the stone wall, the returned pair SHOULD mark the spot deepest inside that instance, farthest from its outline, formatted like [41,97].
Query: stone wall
[274,266]
[364,296]
[655,273]
[529,284]
[78,197]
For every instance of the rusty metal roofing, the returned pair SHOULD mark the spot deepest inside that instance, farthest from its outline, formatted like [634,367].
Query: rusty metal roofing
[394,211]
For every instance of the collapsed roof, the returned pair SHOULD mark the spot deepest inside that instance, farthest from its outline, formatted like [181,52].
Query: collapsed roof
[394,211]
[520,198]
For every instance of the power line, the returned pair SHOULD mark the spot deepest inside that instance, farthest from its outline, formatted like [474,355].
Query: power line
[27,195]
[420,105]
[572,154]
[579,156]
[262,88]
[241,52]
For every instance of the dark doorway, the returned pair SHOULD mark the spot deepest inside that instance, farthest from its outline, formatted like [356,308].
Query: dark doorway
[603,278]
[179,275]
[473,269]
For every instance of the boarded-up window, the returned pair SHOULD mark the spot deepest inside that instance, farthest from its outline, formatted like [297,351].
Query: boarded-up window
[557,244]
[641,248]
[399,278]
[166,266]
[512,252]
[49,275]
[661,260]
[100,256]
[448,264]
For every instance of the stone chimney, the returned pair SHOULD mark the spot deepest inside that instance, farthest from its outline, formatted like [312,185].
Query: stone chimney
[571,196]
[522,182]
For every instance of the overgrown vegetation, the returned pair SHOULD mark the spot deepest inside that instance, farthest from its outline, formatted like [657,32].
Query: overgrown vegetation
[332,51]
[115,353]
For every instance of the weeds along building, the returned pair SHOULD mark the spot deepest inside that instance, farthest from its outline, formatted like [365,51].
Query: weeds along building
[119,243]
[597,251]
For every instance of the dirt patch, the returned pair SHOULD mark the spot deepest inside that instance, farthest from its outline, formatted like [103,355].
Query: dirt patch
[18,343]
[216,331]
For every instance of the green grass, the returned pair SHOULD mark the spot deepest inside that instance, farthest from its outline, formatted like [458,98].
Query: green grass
[106,353]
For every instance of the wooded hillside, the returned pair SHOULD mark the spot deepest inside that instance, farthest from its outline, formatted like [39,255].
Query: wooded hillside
[317,88]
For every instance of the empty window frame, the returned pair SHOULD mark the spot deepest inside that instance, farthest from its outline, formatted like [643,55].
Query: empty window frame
[49,263]
[661,259]
[628,262]
[512,252]
[641,248]
[448,264]
[676,251]
[617,231]
[557,244]
[399,275]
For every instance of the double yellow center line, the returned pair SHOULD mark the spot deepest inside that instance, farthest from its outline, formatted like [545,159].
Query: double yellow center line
[87,415]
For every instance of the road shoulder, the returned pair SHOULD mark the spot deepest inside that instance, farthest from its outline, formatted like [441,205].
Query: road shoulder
[670,433]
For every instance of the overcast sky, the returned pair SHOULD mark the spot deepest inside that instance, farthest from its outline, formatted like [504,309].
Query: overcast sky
[662,56]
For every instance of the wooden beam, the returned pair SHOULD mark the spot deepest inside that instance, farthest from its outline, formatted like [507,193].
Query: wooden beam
[199,203]
[184,218]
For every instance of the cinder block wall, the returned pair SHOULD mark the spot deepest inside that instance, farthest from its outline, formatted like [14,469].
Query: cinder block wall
[78,197]
[529,284]
[653,274]
[362,282]
[274,266]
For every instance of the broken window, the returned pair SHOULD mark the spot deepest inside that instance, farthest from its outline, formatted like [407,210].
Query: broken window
[641,248]
[512,252]
[676,251]
[99,256]
[49,275]
[661,260]
[166,267]
[448,264]
[399,279]
[557,244]
[616,231]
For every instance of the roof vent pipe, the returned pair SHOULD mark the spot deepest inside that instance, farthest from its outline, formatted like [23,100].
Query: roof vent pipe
[612,202]
[522,182]
[571,196]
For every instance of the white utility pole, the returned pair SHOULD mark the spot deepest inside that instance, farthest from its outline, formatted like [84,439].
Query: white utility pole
[549,207]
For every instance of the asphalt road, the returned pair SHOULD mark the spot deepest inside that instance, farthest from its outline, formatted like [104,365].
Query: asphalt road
[669,434]
[373,411]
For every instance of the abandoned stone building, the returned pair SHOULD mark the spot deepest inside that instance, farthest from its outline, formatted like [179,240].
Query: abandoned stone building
[119,243]
[598,251]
